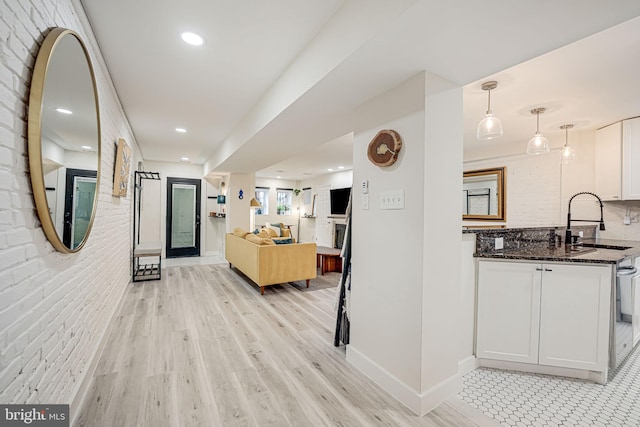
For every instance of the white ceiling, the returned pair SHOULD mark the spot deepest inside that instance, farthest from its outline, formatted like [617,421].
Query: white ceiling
[277,81]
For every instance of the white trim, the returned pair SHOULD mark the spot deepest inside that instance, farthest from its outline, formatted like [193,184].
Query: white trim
[468,364]
[598,377]
[88,378]
[419,403]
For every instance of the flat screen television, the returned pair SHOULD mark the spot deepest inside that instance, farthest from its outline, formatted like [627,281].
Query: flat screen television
[339,200]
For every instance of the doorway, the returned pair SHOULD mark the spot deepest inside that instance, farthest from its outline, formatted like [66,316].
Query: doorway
[183,217]
[80,190]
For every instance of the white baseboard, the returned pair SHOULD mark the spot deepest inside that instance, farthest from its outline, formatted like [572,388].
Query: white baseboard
[212,253]
[88,378]
[419,403]
[468,364]
[598,377]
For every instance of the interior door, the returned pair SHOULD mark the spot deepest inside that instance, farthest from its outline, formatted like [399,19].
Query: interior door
[183,217]
[78,205]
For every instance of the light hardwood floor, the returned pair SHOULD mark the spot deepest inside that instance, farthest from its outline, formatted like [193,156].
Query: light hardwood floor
[201,347]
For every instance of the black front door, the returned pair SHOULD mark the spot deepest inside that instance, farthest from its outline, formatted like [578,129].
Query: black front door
[183,217]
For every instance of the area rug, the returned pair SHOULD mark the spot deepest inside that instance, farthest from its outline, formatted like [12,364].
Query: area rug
[328,280]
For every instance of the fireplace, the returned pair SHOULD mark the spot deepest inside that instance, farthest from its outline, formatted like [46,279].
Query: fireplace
[338,235]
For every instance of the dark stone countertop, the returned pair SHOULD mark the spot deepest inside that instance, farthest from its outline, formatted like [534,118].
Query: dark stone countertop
[580,254]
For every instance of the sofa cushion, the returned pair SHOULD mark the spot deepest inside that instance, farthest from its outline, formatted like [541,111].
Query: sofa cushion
[258,240]
[274,228]
[271,232]
[239,232]
[264,233]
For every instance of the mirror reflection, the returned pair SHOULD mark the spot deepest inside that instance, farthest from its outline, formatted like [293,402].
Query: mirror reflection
[483,194]
[64,140]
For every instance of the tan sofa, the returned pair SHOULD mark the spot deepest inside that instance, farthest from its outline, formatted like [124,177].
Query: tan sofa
[267,263]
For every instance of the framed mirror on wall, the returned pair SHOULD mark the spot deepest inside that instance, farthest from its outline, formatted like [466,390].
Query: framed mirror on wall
[484,195]
[64,140]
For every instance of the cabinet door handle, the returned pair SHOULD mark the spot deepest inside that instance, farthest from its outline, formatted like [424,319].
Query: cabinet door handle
[538,269]
[548,269]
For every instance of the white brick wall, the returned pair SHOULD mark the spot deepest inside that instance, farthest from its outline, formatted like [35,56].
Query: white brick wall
[533,189]
[539,189]
[54,308]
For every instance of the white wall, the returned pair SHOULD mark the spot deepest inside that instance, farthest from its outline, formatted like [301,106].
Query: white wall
[405,265]
[343,179]
[273,217]
[153,217]
[54,307]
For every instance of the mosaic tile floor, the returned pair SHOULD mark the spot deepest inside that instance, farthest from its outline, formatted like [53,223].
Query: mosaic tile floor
[520,399]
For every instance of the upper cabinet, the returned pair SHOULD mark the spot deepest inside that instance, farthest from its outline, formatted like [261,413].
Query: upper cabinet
[617,166]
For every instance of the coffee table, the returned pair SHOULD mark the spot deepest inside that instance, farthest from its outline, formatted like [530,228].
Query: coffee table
[329,259]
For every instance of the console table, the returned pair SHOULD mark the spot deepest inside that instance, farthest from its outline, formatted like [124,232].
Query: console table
[329,259]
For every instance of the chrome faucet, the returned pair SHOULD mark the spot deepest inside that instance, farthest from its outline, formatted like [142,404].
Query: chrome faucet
[568,233]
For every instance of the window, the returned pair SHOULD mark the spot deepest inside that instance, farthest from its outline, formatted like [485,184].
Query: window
[284,197]
[262,196]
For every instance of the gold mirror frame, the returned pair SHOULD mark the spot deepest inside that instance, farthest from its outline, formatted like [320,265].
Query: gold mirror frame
[500,175]
[36,169]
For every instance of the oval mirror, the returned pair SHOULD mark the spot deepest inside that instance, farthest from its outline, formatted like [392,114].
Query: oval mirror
[64,140]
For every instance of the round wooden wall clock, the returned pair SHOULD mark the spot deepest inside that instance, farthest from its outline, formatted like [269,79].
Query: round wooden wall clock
[384,148]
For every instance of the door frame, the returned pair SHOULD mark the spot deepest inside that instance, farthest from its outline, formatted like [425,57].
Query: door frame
[192,250]
[70,178]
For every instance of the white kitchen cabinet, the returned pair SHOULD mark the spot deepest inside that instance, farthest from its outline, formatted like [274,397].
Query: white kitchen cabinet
[635,321]
[547,314]
[617,165]
[574,316]
[631,159]
[508,311]
[608,165]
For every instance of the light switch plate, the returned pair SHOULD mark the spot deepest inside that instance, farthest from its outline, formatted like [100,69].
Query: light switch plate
[365,202]
[499,243]
[392,199]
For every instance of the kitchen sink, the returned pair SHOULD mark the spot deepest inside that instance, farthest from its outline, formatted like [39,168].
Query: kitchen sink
[601,246]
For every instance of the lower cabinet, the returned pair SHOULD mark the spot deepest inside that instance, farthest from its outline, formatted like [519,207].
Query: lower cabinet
[635,297]
[548,314]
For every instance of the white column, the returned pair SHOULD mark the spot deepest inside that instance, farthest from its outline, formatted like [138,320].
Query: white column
[405,265]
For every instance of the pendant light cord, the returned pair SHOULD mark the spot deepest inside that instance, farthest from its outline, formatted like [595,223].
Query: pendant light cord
[489,102]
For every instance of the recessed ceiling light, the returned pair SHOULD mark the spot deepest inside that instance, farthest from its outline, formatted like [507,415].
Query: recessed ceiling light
[64,111]
[278,177]
[279,171]
[340,167]
[192,39]
[87,148]
[181,130]
[330,170]
[184,159]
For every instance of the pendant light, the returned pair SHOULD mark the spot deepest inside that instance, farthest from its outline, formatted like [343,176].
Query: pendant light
[538,144]
[567,154]
[489,127]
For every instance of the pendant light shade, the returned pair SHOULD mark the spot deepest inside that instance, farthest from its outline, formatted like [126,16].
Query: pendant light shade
[567,154]
[489,127]
[539,144]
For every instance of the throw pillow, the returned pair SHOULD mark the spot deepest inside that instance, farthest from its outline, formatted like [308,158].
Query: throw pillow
[270,232]
[256,231]
[274,228]
[283,241]
[285,232]
[268,242]
[239,232]
[264,233]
